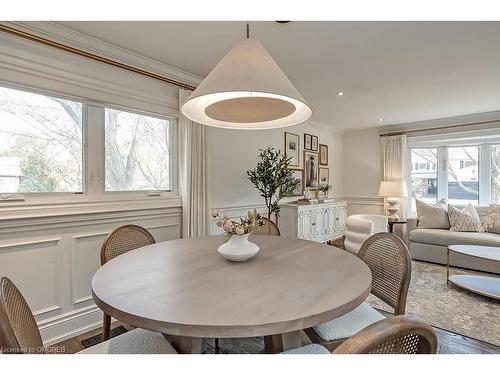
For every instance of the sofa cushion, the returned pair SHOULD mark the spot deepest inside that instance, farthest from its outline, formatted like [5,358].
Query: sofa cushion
[490,217]
[432,216]
[445,237]
[465,219]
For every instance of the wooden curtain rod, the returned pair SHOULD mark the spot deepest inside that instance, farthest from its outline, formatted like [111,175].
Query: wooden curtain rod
[437,128]
[92,56]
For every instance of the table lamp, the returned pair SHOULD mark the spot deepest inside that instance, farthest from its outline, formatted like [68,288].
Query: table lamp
[392,191]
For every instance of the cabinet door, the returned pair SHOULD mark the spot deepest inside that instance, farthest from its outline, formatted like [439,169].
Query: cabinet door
[340,219]
[317,224]
[304,225]
[329,222]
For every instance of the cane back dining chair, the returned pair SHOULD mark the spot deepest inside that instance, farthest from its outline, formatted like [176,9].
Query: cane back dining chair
[19,332]
[119,241]
[403,334]
[268,229]
[390,264]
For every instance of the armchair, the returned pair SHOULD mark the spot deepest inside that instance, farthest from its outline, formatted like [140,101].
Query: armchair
[360,227]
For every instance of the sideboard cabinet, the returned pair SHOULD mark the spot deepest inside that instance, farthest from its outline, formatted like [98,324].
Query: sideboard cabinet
[320,222]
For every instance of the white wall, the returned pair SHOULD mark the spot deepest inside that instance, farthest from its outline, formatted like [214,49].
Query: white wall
[232,152]
[362,171]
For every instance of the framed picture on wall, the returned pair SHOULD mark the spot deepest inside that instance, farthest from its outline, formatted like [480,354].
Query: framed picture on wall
[314,143]
[311,165]
[292,145]
[324,176]
[298,174]
[323,154]
[307,141]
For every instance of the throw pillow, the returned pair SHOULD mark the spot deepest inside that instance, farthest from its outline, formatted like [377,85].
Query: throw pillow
[465,219]
[490,218]
[432,216]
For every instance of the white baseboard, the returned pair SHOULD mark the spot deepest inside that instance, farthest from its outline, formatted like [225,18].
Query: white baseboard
[66,326]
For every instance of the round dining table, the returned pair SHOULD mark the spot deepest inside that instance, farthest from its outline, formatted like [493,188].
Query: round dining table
[186,290]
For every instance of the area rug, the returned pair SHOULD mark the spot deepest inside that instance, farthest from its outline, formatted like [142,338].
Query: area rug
[449,307]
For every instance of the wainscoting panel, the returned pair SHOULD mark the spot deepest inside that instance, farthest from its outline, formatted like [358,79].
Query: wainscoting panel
[52,260]
[364,205]
[33,265]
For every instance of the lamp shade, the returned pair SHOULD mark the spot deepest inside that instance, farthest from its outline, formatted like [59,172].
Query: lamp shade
[393,189]
[247,90]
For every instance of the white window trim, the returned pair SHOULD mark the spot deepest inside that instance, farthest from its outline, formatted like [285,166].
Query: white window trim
[484,139]
[93,189]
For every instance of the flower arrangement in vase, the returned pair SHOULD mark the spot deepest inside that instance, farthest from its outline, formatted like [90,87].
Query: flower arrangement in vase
[323,191]
[236,245]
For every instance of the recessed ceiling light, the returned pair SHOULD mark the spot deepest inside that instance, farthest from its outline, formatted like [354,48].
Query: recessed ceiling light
[380,120]
[340,93]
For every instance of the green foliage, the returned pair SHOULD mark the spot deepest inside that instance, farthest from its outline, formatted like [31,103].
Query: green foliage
[273,179]
[35,176]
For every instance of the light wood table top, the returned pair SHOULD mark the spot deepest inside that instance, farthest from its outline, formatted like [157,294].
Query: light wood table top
[185,288]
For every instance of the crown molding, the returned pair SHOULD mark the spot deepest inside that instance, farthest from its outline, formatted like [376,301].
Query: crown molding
[62,34]
[444,121]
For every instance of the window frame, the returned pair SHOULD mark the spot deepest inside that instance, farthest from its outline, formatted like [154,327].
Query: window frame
[93,158]
[38,195]
[484,168]
[173,152]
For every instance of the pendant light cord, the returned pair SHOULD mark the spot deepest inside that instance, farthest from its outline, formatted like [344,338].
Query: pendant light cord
[248,31]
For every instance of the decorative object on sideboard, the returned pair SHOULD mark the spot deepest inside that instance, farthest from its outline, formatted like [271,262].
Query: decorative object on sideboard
[392,191]
[292,148]
[307,142]
[323,190]
[311,165]
[247,90]
[274,180]
[323,154]
[236,246]
[298,175]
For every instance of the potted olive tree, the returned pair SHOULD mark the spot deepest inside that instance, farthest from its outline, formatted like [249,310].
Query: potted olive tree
[273,179]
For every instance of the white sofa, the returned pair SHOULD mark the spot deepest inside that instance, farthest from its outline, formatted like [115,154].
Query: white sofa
[360,227]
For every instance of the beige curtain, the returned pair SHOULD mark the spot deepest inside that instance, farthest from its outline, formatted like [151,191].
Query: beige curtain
[193,173]
[394,154]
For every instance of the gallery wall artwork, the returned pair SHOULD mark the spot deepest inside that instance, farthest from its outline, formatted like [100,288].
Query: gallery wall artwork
[292,146]
[324,177]
[312,170]
[323,154]
[311,165]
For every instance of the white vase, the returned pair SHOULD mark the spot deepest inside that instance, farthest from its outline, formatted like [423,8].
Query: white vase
[238,248]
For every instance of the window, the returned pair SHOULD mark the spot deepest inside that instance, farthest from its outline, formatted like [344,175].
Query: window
[41,148]
[423,178]
[495,174]
[55,149]
[463,175]
[137,152]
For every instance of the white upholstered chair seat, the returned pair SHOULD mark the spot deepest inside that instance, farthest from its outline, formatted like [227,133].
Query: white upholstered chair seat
[349,324]
[136,341]
[308,349]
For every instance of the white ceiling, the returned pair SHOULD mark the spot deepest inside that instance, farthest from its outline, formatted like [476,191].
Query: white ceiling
[399,71]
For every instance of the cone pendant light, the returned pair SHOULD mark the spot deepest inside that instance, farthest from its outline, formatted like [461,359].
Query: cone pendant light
[247,90]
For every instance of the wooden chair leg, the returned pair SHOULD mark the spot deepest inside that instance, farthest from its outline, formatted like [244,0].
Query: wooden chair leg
[106,327]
